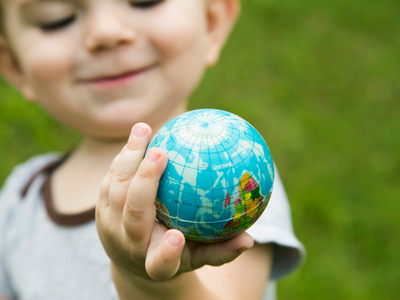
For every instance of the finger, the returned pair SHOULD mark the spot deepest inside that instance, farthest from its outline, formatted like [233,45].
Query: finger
[139,211]
[106,182]
[163,260]
[220,253]
[127,166]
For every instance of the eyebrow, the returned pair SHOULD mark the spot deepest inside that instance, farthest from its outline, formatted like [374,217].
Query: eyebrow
[26,4]
[27,8]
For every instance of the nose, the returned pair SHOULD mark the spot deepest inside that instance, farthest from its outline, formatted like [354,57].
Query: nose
[107,30]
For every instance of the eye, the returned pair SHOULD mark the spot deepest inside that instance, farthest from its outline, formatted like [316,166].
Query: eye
[57,25]
[145,4]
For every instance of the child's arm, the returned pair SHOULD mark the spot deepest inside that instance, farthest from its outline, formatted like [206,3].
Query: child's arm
[244,278]
[151,262]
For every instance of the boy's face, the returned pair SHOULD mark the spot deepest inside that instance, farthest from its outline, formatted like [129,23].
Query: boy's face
[102,65]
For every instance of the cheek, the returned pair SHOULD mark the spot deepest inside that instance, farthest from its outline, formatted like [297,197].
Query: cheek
[47,65]
[176,32]
[180,38]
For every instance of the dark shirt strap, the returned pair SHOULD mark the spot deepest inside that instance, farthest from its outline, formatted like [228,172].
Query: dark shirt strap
[47,196]
[47,169]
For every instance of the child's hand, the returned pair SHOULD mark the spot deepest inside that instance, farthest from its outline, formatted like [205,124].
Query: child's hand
[126,218]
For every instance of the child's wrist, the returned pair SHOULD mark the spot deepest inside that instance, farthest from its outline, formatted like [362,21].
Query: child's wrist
[129,272]
[129,282]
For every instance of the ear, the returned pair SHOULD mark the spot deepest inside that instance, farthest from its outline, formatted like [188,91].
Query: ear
[11,71]
[221,16]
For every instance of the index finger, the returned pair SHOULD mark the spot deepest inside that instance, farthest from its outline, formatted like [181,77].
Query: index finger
[127,166]
[140,211]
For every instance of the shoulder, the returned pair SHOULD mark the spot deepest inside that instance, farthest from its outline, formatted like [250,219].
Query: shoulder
[22,173]
[20,177]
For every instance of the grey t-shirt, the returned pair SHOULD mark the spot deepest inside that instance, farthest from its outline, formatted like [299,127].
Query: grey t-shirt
[42,260]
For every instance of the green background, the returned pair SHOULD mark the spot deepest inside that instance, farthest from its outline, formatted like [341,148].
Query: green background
[321,81]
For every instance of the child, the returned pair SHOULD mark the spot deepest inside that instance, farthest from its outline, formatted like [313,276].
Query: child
[102,66]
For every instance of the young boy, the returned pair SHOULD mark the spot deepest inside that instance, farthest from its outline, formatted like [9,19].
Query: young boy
[102,66]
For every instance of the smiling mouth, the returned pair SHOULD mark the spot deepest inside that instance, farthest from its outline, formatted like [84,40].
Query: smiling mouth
[117,80]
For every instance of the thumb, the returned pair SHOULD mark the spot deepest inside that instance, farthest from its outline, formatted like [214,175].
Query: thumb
[163,262]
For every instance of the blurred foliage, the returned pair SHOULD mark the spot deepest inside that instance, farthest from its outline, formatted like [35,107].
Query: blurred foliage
[320,80]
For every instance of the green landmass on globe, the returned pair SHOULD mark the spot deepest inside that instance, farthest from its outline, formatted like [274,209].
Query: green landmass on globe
[249,206]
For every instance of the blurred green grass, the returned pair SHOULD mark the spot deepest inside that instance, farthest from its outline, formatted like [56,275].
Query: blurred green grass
[320,80]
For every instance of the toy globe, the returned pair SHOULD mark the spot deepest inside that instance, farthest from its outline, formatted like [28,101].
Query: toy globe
[219,176]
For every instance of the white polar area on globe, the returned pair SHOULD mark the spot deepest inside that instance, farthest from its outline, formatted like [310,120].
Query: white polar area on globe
[201,132]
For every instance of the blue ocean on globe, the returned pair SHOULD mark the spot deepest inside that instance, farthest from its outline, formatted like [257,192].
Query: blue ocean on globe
[219,176]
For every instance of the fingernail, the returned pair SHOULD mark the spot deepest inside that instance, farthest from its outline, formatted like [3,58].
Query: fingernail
[244,249]
[152,155]
[174,240]
[139,131]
